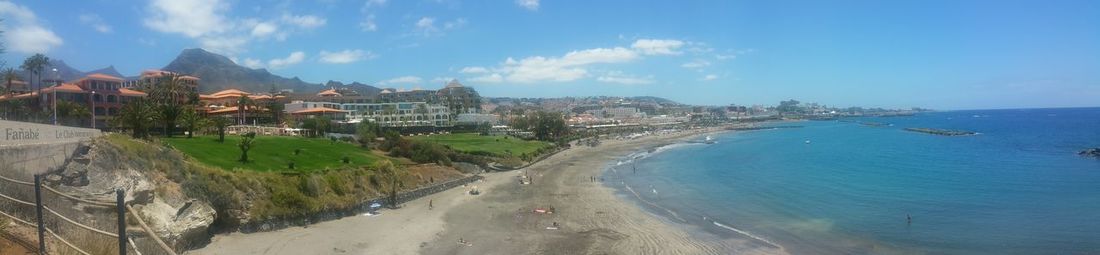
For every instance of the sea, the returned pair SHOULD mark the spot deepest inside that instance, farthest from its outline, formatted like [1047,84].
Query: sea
[848,187]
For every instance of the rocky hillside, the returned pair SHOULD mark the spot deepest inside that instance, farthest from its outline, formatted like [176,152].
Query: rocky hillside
[219,72]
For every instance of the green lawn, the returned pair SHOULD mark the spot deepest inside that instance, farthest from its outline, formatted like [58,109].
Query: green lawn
[272,153]
[471,142]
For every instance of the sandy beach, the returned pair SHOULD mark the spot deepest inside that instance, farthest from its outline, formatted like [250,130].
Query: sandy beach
[590,218]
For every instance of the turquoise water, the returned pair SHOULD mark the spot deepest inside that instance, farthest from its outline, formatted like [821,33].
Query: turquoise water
[1017,188]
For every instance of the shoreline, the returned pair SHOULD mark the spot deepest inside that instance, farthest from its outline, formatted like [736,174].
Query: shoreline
[591,217]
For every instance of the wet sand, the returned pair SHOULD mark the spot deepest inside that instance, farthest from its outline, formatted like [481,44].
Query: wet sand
[502,220]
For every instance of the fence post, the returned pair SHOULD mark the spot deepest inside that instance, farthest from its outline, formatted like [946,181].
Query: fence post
[38,213]
[120,201]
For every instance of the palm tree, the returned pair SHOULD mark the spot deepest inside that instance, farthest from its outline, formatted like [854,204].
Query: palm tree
[246,143]
[35,64]
[10,75]
[71,113]
[220,123]
[169,95]
[242,109]
[191,121]
[138,116]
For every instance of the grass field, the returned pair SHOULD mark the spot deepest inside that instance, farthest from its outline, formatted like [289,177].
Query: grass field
[498,145]
[272,153]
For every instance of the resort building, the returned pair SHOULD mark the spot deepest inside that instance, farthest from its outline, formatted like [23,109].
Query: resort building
[405,114]
[103,95]
[227,103]
[153,77]
[456,97]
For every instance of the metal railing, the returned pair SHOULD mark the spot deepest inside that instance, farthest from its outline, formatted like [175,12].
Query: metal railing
[75,225]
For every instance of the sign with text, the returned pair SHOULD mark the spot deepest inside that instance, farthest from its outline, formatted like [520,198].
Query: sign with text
[20,133]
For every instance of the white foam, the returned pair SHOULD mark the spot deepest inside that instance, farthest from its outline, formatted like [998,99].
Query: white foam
[746,233]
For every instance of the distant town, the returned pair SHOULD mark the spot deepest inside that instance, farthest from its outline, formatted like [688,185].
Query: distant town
[38,92]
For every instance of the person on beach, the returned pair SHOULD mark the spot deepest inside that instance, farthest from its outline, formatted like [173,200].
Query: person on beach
[429,204]
[908,219]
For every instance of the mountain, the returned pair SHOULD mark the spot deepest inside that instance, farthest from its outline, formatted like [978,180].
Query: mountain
[68,73]
[362,89]
[109,70]
[218,72]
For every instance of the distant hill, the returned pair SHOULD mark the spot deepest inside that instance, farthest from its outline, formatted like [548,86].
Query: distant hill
[218,72]
[362,89]
[66,72]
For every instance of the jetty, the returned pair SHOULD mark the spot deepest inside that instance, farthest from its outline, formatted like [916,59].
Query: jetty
[943,132]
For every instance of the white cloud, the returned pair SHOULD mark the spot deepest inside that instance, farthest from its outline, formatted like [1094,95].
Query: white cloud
[372,3]
[695,64]
[529,4]
[710,77]
[442,79]
[304,21]
[224,44]
[369,25]
[568,67]
[23,33]
[657,47]
[192,18]
[264,29]
[426,26]
[457,23]
[345,56]
[425,22]
[619,77]
[294,58]
[253,63]
[725,56]
[474,69]
[491,78]
[403,79]
[96,22]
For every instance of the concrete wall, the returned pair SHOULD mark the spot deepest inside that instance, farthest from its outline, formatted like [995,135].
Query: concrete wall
[28,148]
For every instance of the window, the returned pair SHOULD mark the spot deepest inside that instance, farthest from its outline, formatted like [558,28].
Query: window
[97,97]
[112,111]
[100,111]
[111,99]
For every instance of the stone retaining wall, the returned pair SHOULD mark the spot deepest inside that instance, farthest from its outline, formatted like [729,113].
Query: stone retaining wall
[27,149]
[276,224]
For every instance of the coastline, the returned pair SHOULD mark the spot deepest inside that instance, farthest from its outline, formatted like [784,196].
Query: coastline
[591,217]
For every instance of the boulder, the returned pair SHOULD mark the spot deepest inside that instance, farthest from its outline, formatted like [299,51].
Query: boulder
[182,226]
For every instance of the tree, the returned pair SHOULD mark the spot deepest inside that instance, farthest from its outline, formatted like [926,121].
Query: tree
[547,126]
[35,64]
[170,94]
[319,125]
[246,143]
[191,121]
[72,114]
[242,109]
[138,116]
[367,132]
[275,107]
[10,76]
[220,123]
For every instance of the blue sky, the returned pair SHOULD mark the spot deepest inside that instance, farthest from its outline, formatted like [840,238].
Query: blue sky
[938,54]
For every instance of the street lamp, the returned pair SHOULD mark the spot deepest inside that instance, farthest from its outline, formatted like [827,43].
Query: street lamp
[93,109]
[55,96]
